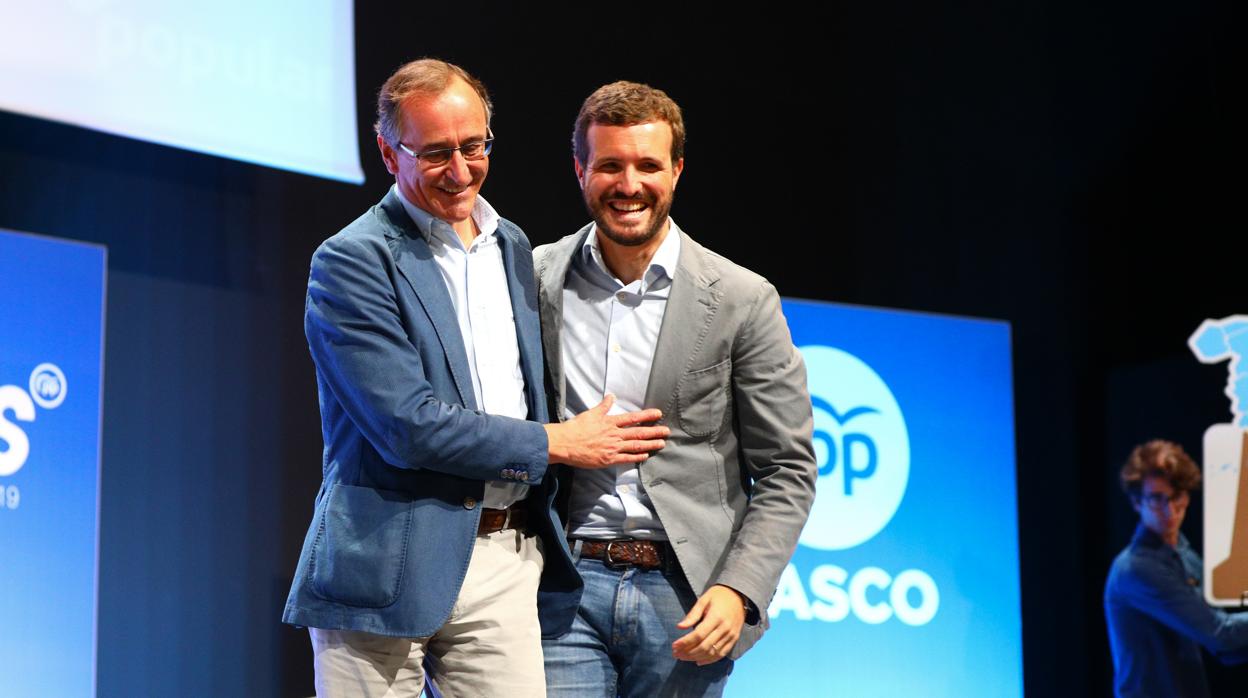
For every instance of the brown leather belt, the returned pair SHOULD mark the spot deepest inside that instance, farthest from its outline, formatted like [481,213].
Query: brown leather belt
[493,520]
[628,552]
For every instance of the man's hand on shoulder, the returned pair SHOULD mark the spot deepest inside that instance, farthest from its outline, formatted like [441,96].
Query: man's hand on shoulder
[716,620]
[595,439]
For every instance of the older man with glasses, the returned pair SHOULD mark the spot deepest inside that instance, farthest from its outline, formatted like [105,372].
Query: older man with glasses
[434,528]
[1156,617]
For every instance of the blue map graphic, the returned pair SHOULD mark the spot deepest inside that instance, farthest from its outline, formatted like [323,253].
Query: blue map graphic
[1218,340]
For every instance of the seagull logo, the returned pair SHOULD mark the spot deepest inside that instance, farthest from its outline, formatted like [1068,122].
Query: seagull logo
[862,448]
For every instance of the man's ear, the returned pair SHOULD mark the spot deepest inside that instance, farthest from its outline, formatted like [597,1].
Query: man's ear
[580,172]
[677,168]
[388,155]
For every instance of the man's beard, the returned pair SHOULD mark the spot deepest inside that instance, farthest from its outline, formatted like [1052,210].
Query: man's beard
[657,209]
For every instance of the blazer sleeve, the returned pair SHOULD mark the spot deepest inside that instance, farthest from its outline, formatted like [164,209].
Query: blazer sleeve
[366,359]
[774,423]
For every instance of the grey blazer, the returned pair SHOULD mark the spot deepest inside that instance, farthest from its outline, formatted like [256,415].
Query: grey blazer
[734,484]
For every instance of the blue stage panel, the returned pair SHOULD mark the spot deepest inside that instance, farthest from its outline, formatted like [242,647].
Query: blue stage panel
[906,578]
[51,333]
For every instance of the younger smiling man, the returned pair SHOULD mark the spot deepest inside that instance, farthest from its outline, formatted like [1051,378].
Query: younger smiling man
[1156,617]
[680,556]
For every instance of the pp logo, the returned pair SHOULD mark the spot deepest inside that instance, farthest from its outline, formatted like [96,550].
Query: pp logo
[47,390]
[862,448]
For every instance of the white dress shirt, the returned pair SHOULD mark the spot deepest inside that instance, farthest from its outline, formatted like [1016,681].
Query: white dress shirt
[609,333]
[477,283]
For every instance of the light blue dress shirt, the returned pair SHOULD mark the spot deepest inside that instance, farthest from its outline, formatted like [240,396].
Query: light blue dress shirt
[477,282]
[609,333]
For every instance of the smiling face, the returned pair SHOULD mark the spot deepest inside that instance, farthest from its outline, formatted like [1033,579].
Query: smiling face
[628,180]
[452,118]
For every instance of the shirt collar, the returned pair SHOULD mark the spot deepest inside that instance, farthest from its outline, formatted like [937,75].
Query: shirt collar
[483,214]
[1145,537]
[662,264]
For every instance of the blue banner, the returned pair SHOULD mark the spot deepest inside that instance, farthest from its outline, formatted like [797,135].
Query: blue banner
[906,579]
[51,336]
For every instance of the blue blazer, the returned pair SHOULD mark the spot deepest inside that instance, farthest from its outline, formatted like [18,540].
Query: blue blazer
[407,454]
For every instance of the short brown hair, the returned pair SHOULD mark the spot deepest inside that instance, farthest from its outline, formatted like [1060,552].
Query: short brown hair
[1163,459]
[626,103]
[427,76]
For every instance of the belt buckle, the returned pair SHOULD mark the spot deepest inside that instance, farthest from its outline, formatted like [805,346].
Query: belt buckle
[607,560]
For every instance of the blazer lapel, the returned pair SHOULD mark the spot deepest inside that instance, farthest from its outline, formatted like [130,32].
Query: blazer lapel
[414,259]
[519,269]
[691,308]
[552,273]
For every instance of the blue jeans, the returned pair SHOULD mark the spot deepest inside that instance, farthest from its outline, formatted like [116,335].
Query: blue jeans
[621,640]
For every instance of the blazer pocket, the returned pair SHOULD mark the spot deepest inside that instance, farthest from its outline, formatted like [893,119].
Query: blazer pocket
[702,399]
[361,546]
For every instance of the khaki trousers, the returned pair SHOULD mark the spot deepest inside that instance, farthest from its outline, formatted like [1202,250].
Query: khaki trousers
[490,646]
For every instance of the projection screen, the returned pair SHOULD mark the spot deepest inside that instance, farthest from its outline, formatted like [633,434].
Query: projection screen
[271,82]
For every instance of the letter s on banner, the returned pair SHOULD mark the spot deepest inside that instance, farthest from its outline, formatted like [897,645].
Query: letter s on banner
[15,399]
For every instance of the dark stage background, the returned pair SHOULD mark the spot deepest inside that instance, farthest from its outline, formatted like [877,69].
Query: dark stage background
[1071,167]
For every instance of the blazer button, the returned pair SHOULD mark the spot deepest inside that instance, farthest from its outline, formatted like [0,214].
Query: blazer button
[469,503]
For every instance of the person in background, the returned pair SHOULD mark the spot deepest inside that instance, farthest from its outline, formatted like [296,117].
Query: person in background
[1155,613]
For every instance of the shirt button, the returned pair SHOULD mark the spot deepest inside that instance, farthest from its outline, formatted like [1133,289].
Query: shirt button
[469,503]
[616,347]
[621,296]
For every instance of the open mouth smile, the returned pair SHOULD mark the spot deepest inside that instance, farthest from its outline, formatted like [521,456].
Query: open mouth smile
[628,209]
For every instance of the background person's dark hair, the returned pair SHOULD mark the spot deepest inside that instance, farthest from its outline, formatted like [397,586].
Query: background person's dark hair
[1159,458]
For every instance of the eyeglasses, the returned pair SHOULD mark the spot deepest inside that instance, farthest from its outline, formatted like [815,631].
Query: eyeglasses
[1159,500]
[440,156]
